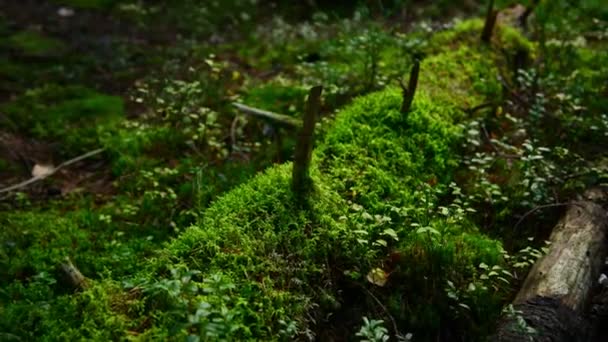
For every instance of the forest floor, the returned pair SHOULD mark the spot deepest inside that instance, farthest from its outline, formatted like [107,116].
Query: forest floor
[153,86]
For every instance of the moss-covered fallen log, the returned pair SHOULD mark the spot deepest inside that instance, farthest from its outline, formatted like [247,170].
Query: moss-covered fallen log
[555,294]
[264,268]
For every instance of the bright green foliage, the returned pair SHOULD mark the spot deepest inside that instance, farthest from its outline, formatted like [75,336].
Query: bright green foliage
[132,144]
[269,250]
[277,96]
[90,315]
[468,33]
[66,114]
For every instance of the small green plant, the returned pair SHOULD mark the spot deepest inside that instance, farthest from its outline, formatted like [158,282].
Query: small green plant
[372,331]
[520,323]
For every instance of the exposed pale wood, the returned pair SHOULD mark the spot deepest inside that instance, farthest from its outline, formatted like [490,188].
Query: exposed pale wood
[300,177]
[555,293]
[280,119]
[71,275]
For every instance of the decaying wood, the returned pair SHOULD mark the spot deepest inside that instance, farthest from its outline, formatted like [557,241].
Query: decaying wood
[409,91]
[300,178]
[279,119]
[488,27]
[555,293]
[71,276]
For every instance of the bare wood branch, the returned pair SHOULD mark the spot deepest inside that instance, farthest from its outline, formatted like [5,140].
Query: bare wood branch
[301,183]
[490,22]
[52,171]
[71,275]
[409,91]
[280,119]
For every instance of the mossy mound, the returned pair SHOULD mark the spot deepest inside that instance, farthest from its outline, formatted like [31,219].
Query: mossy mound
[281,266]
[70,115]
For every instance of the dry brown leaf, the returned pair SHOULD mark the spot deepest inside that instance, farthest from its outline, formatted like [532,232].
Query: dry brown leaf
[42,171]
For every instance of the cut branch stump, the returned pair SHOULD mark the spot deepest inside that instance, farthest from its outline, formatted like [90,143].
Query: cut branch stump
[409,91]
[488,27]
[301,183]
[71,277]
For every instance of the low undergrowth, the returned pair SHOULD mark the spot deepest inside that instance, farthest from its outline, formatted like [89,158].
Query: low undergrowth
[420,226]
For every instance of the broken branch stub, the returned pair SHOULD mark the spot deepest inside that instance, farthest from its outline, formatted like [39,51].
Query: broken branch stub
[488,27]
[71,276]
[410,90]
[301,183]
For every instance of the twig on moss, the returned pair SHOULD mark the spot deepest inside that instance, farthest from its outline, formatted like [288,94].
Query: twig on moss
[410,90]
[523,19]
[280,119]
[71,275]
[301,182]
[52,171]
[488,27]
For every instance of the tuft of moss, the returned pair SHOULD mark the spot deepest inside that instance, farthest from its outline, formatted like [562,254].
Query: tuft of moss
[277,96]
[468,32]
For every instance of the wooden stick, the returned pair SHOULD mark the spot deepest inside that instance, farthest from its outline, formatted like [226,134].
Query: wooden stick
[488,27]
[71,275]
[410,90]
[281,119]
[301,183]
[52,171]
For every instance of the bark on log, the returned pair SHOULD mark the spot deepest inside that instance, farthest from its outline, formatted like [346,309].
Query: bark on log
[555,294]
[71,276]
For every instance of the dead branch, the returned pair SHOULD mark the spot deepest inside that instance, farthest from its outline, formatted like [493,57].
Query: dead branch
[301,182]
[280,119]
[71,276]
[488,27]
[410,90]
[52,171]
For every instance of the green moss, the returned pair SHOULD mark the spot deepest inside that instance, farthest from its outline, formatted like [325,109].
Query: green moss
[31,43]
[462,77]
[133,145]
[275,254]
[468,33]
[82,316]
[267,248]
[277,96]
[68,114]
